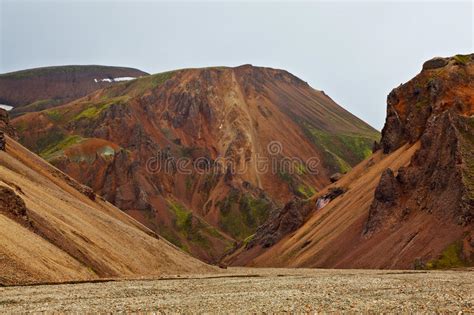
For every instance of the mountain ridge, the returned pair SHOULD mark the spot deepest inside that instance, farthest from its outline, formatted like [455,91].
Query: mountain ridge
[46,87]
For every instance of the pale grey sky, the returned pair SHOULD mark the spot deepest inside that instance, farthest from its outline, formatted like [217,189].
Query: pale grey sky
[355,51]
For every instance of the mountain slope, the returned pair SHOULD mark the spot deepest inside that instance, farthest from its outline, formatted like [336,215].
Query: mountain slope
[54,229]
[119,140]
[410,206]
[41,88]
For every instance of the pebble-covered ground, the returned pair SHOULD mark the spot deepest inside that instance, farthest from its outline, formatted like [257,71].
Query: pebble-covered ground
[244,290]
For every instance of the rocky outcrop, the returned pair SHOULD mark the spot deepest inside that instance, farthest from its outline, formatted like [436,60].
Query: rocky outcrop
[83,189]
[335,177]
[3,142]
[5,125]
[436,109]
[410,105]
[13,206]
[435,63]
[386,193]
[281,222]
[5,129]
[333,193]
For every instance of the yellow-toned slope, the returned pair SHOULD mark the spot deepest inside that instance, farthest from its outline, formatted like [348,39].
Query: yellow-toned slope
[67,236]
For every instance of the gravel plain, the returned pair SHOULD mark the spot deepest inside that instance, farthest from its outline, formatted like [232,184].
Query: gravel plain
[248,290]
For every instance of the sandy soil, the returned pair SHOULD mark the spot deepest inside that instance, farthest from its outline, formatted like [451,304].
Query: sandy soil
[241,290]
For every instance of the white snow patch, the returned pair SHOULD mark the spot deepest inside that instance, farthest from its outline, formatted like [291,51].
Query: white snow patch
[322,202]
[6,107]
[124,79]
[110,80]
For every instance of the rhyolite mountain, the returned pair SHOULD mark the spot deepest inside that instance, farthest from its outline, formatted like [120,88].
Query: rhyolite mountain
[112,139]
[53,229]
[41,88]
[410,205]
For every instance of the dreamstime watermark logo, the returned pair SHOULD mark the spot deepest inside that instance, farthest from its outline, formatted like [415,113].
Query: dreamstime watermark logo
[240,162]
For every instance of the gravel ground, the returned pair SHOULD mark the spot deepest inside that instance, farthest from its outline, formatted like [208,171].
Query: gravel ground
[244,290]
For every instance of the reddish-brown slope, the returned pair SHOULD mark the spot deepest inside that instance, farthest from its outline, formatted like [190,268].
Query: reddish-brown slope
[41,88]
[410,207]
[112,140]
[53,229]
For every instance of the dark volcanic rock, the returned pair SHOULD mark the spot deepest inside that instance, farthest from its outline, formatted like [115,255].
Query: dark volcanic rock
[386,191]
[435,109]
[281,222]
[333,193]
[3,143]
[335,177]
[376,146]
[411,105]
[436,62]
[13,206]
[5,125]
[5,129]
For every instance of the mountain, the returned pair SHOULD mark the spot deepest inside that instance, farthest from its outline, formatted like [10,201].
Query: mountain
[41,88]
[180,151]
[410,205]
[53,229]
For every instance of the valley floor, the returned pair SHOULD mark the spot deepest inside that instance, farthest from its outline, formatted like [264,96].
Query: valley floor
[238,290]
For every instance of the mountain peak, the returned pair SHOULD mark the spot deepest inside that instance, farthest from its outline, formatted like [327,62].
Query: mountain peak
[444,84]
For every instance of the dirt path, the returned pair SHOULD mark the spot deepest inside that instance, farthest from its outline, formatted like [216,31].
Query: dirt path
[257,290]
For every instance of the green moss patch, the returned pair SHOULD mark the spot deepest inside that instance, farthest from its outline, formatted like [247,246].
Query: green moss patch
[139,86]
[451,257]
[305,191]
[192,228]
[121,93]
[93,110]
[248,239]
[60,146]
[462,59]
[54,115]
[37,106]
[341,151]
[296,184]
[241,214]
[43,142]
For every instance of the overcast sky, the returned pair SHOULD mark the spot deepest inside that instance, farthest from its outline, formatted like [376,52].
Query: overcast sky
[355,51]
